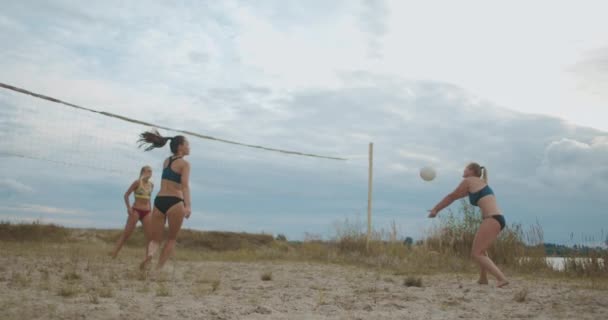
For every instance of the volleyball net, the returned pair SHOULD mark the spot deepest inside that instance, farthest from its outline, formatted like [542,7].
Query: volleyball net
[46,133]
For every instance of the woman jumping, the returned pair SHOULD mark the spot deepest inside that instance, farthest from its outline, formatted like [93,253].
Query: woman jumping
[475,184]
[172,203]
[142,189]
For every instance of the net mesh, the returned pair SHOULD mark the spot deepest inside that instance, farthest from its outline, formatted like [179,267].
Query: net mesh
[250,186]
[38,129]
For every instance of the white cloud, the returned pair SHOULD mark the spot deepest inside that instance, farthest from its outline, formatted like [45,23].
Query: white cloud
[373,20]
[8,185]
[479,46]
[45,210]
[299,75]
[41,219]
[573,164]
[418,157]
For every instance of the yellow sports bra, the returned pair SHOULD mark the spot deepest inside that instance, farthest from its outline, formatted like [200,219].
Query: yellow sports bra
[143,193]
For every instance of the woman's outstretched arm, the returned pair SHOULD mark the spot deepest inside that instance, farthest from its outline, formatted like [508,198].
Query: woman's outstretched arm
[459,192]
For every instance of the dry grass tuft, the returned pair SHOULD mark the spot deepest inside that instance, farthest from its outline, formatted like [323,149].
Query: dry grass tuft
[105,292]
[162,291]
[44,274]
[454,239]
[266,276]
[412,282]
[592,264]
[521,295]
[208,282]
[215,285]
[71,276]
[21,280]
[68,291]
[321,300]
[93,298]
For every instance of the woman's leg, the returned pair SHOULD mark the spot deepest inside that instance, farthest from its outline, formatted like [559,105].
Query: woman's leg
[146,224]
[483,274]
[156,226]
[175,216]
[487,233]
[129,227]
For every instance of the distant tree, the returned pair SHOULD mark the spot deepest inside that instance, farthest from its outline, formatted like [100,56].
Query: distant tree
[408,241]
[281,237]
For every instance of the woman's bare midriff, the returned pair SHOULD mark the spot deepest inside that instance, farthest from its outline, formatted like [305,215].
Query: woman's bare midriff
[487,204]
[170,188]
[141,204]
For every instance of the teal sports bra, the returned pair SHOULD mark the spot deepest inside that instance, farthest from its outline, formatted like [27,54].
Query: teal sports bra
[169,174]
[474,197]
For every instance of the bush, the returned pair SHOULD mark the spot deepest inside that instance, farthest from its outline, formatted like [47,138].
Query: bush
[223,241]
[514,247]
[36,231]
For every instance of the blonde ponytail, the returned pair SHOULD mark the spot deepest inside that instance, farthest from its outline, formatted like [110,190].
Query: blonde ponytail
[141,176]
[479,171]
[484,174]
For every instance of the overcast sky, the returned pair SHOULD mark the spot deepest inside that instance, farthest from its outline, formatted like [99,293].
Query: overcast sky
[519,86]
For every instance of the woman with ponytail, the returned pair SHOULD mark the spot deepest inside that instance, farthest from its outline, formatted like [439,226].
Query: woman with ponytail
[139,211]
[172,203]
[475,185]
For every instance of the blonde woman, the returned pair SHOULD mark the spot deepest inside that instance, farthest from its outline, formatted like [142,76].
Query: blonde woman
[475,185]
[139,211]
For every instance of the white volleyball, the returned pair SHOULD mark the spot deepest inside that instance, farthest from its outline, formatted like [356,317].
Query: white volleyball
[427,173]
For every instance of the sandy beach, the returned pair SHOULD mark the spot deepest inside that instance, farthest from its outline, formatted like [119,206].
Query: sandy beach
[79,285]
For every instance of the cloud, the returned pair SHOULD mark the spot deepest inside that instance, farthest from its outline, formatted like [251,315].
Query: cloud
[373,21]
[415,156]
[592,73]
[573,164]
[412,123]
[8,186]
[292,75]
[54,220]
[45,210]
[27,212]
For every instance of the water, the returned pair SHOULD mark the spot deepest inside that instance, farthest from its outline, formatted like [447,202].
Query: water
[558,263]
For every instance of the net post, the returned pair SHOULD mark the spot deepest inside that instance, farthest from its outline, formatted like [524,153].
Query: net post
[369,194]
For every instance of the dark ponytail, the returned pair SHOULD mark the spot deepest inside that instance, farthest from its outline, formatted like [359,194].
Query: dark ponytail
[152,140]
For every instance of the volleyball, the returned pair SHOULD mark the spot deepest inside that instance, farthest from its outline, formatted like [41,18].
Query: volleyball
[427,173]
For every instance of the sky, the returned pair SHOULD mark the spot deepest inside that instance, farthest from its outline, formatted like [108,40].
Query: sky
[519,86]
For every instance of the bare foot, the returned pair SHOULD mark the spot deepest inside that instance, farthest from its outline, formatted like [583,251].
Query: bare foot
[482,281]
[502,284]
[144,264]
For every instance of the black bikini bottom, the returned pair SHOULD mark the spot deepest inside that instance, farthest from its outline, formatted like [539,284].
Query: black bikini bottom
[500,218]
[164,203]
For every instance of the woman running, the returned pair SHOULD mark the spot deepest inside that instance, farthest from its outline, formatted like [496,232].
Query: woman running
[142,189]
[475,184]
[172,203]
